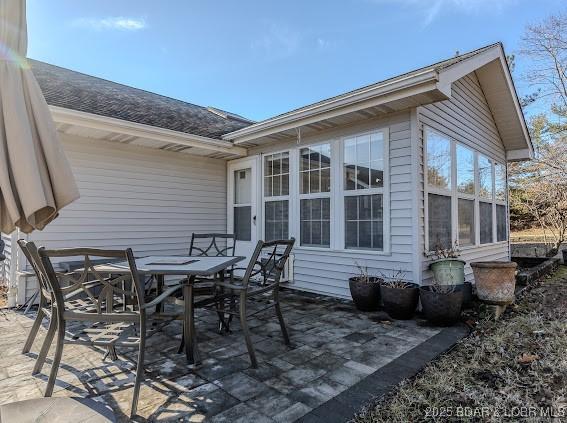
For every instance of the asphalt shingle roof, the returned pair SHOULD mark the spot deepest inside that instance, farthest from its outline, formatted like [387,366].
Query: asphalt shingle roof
[77,91]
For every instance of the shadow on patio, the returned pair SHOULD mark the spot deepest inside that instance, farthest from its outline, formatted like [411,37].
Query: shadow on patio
[333,347]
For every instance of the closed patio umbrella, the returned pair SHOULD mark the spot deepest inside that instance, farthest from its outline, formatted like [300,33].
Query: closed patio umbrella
[36,180]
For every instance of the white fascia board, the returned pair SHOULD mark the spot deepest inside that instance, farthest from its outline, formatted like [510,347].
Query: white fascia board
[519,155]
[455,72]
[356,100]
[89,120]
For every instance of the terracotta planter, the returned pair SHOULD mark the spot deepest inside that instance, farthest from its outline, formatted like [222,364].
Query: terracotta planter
[400,303]
[495,281]
[441,308]
[450,271]
[365,294]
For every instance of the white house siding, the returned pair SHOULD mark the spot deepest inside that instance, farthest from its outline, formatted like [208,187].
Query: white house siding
[148,200]
[327,272]
[466,118]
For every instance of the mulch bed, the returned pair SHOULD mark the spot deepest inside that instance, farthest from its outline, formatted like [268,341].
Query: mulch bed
[508,370]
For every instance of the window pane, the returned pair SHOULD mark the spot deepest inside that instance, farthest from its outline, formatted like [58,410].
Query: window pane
[364,162]
[315,222]
[326,180]
[268,186]
[304,159]
[276,220]
[438,160]
[377,146]
[465,170]
[276,175]
[304,182]
[242,186]
[285,162]
[314,179]
[485,177]
[501,223]
[276,185]
[439,221]
[268,166]
[242,223]
[500,181]
[363,222]
[325,150]
[485,212]
[466,222]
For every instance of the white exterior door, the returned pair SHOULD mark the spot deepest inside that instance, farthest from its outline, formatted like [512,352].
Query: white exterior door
[242,204]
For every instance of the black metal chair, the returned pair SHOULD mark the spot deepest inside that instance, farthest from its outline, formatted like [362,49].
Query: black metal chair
[111,323]
[261,281]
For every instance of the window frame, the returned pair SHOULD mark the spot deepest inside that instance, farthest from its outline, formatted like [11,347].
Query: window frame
[314,195]
[456,195]
[273,198]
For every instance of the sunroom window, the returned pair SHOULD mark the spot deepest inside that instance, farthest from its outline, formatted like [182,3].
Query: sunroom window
[363,173]
[315,195]
[276,196]
[439,170]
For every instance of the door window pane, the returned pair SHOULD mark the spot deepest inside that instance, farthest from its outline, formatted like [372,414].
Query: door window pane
[485,212]
[243,186]
[500,181]
[485,177]
[501,223]
[364,162]
[439,221]
[465,170]
[466,222]
[364,226]
[276,216]
[438,160]
[242,223]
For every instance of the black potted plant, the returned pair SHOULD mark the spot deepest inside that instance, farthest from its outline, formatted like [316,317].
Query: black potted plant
[399,297]
[365,290]
[442,304]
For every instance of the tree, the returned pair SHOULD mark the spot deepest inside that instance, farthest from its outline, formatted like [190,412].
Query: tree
[539,188]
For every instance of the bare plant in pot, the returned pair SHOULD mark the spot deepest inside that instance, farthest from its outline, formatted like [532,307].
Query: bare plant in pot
[365,289]
[399,297]
[442,303]
[447,267]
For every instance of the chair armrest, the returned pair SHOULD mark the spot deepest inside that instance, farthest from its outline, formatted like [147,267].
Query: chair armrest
[160,298]
[230,286]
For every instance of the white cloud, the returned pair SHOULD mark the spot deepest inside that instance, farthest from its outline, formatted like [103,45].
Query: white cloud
[109,23]
[278,41]
[431,9]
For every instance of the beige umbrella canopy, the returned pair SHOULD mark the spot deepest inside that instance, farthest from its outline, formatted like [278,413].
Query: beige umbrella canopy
[36,180]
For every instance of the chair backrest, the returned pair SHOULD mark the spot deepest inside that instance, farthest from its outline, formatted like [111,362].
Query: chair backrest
[100,289]
[212,245]
[268,261]
[42,280]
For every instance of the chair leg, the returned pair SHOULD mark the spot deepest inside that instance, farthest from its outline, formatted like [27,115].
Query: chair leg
[139,376]
[56,359]
[45,346]
[246,331]
[33,331]
[281,320]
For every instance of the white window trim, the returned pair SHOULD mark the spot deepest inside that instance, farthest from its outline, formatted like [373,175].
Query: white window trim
[455,195]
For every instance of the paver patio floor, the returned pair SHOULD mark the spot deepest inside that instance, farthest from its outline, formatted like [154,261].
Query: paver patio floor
[333,347]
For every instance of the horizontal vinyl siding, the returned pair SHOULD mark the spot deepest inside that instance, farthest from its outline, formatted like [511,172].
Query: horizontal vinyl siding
[145,199]
[466,118]
[327,272]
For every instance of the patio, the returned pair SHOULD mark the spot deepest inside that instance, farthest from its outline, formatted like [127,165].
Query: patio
[333,348]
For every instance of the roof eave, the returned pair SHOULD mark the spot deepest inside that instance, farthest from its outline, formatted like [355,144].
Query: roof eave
[93,121]
[349,102]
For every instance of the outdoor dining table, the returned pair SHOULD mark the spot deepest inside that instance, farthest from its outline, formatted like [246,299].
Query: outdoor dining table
[184,266]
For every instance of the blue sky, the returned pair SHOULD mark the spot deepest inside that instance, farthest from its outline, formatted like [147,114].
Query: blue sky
[264,57]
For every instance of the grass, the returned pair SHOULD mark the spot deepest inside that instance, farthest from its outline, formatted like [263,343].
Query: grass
[515,365]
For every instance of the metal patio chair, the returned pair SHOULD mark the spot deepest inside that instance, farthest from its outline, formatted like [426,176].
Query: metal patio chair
[107,322]
[261,281]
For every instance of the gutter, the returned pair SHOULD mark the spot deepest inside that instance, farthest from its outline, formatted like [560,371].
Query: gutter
[104,123]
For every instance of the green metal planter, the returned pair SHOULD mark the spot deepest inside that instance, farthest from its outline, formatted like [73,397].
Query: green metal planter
[449,271]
